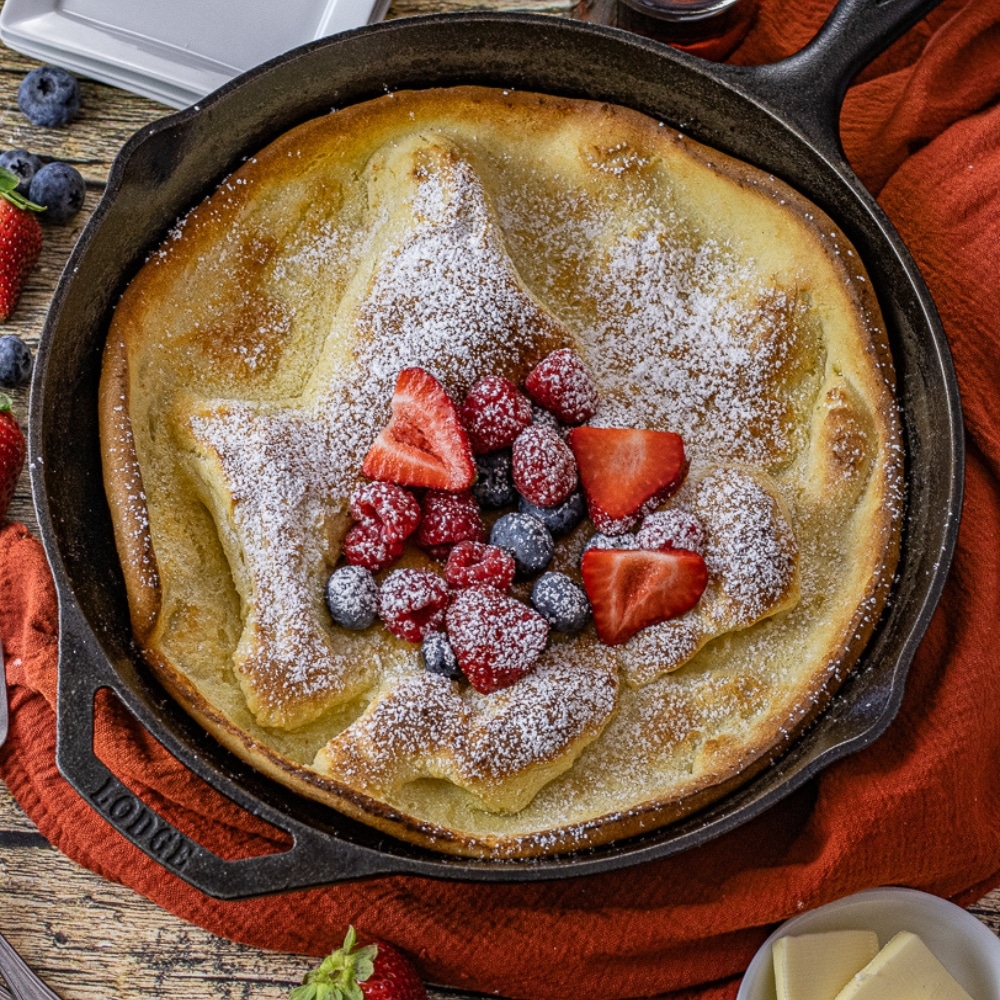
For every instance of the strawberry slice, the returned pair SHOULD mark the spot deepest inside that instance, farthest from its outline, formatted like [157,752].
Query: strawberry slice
[631,589]
[626,472]
[424,444]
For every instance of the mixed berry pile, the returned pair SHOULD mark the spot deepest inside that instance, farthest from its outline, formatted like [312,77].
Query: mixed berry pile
[49,97]
[525,458]
[31,187]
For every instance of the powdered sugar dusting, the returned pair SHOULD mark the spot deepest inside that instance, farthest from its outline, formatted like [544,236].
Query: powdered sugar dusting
[427,726]
[750,549]
[752,558]
[677,528]
[448,297]
[707,340]
[274,464]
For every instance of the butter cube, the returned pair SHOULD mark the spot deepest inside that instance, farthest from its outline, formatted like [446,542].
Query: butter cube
[818,966]
[905,969]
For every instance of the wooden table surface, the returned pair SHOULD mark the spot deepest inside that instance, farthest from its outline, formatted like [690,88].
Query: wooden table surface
[87,937]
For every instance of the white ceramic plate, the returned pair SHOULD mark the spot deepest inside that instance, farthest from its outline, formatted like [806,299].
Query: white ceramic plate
[967,948]
[175,52]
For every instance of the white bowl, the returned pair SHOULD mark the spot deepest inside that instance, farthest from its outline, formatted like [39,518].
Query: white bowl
[967,948]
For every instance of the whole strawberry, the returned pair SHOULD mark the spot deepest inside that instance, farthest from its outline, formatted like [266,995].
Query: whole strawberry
[11,453]
[20,241]
[375,972]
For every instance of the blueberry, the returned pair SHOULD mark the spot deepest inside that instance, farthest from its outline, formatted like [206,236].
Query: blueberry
[494,487]
[49,96]
[438,657]
[527,540]
[560,519]
[23,165]
[561,602]
[15,361]
[60,188]
[352,597]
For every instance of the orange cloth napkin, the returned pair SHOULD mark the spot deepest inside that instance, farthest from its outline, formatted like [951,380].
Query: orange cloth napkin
[920,807]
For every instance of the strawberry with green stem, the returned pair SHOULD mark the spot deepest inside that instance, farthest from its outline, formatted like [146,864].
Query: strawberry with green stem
[12,451]
[376,971]
[20,241]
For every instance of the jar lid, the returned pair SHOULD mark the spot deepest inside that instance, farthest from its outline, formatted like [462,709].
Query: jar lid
[682,10]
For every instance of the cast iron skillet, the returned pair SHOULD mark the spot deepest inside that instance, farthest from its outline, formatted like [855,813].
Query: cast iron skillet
[783,118]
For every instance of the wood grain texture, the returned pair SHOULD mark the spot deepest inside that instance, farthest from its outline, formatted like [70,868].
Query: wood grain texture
[90,938]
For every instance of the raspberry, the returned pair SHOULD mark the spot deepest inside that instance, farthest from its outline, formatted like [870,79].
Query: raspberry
[562,384]
[386,515]
[395,510]
[494,413]
[365,545]
[449,518]
[413,602]
[495,638]
[472,564]
[544,467]
[674,529]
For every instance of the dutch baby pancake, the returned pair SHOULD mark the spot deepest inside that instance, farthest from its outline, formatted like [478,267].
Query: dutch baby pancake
[509,472]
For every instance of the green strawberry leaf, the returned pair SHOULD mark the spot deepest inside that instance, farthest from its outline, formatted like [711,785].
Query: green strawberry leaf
[338,975]
[349,940]
[8,181]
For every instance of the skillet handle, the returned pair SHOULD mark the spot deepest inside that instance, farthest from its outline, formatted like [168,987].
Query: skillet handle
[313,859]
[808,88]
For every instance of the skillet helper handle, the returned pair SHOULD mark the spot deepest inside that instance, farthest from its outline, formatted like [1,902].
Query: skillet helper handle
[808,87]
[313,859]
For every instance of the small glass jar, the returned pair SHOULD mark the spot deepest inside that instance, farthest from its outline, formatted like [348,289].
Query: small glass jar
[710,28]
